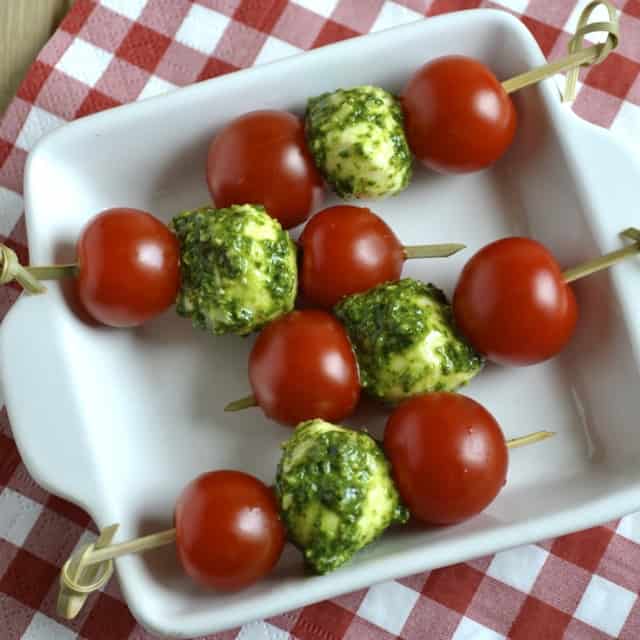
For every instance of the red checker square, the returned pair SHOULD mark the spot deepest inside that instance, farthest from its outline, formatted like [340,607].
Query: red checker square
[11,123]
[214,68]
[28,578]
[357,15]
[15,618]
[5,425]
[66,102]
[629,45]
[12,171]
[446,6]
[223,6]
[561,583]
[631,628]
[351,601]
[52,537]
[94,102]
[578,630]
[9,459]
[584,548]
[105,28]
[333,32]
[634,93]
[164,16]
[285,621]
[553,12]
[360,628]
[632,7]
[415,582]
[560,48]
[22,482]
[239,44]
[75,19]
[428,614]
[545,35]
[70,511]
[298,26]
[417,5]
[260,15]
[620,563]
[601,109]
[5,150]
[539,620]
[495,605]
[55,47]
[8,295]
[181,65]
[8,552]
[122,81]
[143,47]
[615,75]
[322,620]
[33,82]
[108,619]
[453,586]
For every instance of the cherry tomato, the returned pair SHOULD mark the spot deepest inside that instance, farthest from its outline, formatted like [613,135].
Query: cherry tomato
[128,267]
[262,158]
[228,533]
[448,455]
[513,304]
[458,118]
[345,250]
[302,367]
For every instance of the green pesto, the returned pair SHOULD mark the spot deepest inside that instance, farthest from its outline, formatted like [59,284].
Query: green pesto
[238,268]
[335,492]
[357,140]
[405,341]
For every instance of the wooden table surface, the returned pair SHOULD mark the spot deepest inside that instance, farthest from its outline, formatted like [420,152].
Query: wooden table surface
[25,26]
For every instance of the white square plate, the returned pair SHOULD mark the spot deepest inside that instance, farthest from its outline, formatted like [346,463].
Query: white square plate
[119,421]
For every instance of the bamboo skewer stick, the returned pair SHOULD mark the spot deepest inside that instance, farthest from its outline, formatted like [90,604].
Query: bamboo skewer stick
[432,250]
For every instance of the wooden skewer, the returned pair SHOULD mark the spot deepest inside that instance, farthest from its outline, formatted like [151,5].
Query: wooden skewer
[578,54]
[432,250]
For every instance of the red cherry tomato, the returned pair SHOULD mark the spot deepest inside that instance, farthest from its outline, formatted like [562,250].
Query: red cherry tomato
[262,158]
[302,367]
[228,533]
[458,118]
[513,304]
[345,250]
[128,267]
[448,455]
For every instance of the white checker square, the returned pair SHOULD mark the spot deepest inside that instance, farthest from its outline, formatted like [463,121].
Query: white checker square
[11,208]
[599,15]
[129,8]
[202,29]
[518,567]
[155,87]
[42,627]
[19,514]
[261,631]
[605,605]
[469,629]
[629,526]
[322,7]
[275,49]
[518,6]
[84,61]
[38,123]
[393,15]
[388,605]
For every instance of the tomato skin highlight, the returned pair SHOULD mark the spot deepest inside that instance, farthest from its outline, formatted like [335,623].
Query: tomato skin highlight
[228,532]
[128,267]
[302,367]
[513,304]
[458,118]
[261,157]
[448,455]
[345,250]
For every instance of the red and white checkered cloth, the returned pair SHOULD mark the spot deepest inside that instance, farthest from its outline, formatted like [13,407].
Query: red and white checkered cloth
[582,586]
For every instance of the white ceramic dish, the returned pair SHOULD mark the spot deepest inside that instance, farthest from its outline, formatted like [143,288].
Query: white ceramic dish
[119,421]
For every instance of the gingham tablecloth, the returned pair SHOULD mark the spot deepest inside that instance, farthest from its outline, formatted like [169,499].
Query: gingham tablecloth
[582,586]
